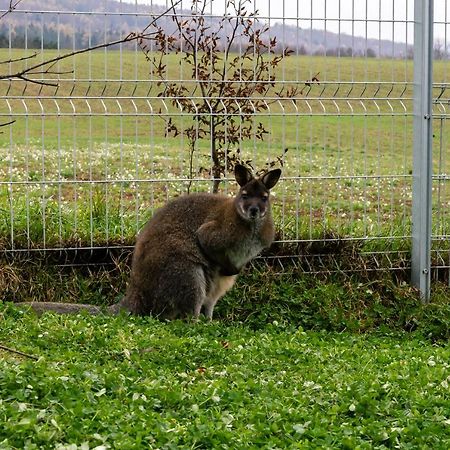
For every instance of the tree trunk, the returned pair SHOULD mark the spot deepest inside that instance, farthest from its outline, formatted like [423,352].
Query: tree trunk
[215,158]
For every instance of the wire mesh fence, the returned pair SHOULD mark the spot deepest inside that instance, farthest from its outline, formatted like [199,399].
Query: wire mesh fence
[440,95]
[103,137]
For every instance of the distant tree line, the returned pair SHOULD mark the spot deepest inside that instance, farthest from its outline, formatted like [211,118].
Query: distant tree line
[48,37]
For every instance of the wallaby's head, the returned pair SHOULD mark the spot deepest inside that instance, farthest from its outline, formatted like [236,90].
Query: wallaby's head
[252,201]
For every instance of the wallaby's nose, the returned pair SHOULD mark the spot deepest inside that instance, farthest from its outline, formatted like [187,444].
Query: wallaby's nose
[253,210]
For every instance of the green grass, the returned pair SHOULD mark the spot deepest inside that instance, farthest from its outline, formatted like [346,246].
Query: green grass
[137,383]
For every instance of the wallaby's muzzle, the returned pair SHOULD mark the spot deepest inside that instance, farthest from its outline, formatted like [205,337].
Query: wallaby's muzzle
[254,212]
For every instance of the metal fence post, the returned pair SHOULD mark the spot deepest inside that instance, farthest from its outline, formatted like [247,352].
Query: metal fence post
[422,158]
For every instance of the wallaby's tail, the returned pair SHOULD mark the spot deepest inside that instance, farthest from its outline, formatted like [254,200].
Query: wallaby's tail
[67,308]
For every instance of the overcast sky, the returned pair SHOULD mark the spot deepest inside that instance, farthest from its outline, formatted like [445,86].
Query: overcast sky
[388,19]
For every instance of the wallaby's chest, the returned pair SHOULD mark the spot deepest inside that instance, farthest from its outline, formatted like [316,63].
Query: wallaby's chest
[246,250]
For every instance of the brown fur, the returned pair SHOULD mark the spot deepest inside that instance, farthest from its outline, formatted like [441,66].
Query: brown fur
[190,252]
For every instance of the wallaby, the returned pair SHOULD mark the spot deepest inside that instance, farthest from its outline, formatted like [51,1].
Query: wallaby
[191,251]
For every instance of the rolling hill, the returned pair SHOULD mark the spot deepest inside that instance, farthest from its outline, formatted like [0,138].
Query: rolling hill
[78,24]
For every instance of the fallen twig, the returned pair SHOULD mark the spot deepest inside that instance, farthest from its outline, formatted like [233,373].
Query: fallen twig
[8,349]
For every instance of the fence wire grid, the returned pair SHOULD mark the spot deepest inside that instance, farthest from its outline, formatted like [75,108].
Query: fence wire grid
[91,144]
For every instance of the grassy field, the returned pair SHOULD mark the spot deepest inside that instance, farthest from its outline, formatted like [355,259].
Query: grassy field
[293,361]
[132,383]
[87,161]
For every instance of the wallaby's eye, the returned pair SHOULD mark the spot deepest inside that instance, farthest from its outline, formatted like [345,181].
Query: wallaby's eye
[265,198]
[244,196]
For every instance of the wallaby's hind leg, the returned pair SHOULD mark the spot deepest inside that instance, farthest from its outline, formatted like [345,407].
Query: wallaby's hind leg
[176,292]
[181,292]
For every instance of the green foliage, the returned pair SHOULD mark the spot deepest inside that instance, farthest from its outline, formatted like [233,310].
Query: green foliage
[336,304]
[125,382]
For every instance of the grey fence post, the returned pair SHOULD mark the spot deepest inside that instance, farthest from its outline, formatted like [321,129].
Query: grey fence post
[422,158]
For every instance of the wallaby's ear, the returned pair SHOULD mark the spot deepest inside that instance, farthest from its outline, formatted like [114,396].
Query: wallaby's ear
[271,178]
[242,174]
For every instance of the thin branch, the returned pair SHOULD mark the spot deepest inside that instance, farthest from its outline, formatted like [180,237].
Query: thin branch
[5,124]
[11,8]
[8,349]
[163,14]
[23,58]
[129,38]
[180,27]
[21,73]
[193,45]
[39,82]
[227,53]
[191,165]
[50,72]
[198,37]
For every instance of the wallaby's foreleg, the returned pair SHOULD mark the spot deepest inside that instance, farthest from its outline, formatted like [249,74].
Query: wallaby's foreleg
[200,289]
[214,242]
[219,287]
